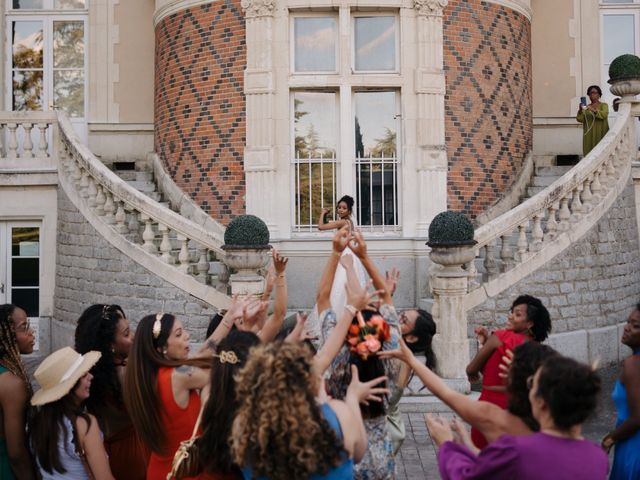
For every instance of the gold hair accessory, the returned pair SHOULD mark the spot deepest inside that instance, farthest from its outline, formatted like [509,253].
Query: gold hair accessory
[228,356]
[157,325]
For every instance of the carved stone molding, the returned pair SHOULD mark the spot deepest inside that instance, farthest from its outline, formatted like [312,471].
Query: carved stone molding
[258,8]
[430,8]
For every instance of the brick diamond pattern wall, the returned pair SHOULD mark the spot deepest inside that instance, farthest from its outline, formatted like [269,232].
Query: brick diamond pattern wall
[488,109]
[200,105]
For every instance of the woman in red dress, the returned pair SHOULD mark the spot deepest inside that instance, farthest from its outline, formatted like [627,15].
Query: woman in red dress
[528,320]
[162,386]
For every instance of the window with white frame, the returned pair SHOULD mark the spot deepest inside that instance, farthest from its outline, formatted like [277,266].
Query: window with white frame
[345,117]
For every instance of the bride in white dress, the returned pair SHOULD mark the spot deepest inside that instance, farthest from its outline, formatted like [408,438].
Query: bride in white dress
[344,213]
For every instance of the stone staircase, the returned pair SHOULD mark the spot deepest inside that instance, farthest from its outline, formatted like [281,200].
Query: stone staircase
[543,177]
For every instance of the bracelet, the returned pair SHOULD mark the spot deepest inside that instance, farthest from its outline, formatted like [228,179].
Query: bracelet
[282,275]
[351,309]
[338,254]
[226,324]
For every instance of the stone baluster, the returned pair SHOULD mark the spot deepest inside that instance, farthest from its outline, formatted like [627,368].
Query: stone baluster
[76,176]
[183,257]
[203,264]
[523,243]
[587,197]
[472,271]
[576,206]
[12,141]
[537,234]
[165,244]
[596,187]
[42,141]
[490,263]
[121,219]
[506,253]
[83,189]
[148,236]
[100,200]
[552,224]
[134,225]
[564,214]
[27,146]
[92,191]
[109,208]
[611,172]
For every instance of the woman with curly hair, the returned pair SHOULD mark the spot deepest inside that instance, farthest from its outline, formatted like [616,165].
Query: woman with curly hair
[528,320]
[105,328]
[16,337]
[282,432]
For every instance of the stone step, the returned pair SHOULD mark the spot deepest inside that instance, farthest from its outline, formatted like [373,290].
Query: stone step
[545,181]
[126,175]
[531,191]
[144,176]
[142,186]
[555,171]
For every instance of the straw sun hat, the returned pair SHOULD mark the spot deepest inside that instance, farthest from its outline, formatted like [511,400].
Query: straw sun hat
[59,372]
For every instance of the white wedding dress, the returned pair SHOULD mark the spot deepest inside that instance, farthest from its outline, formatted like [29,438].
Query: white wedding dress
[338,297]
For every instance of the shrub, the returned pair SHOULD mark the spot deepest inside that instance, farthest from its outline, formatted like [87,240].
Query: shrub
[450,228]
[624,67]
[246,231]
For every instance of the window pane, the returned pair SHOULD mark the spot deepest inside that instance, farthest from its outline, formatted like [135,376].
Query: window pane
[315,121]
[375,43]
[27,90]
[27,44]
[315,44]
[68,44]
[27,299]
[376,193]
[616,1]
[375,129]
[27,4]
[68,91]
[25,272]
[618,36]
[25,242]
[70,4]
[315,186]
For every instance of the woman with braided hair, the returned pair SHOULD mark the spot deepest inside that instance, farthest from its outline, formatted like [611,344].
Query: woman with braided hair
[15,391]
[105,328]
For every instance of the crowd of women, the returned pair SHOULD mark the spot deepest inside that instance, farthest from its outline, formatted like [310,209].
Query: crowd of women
[268,401]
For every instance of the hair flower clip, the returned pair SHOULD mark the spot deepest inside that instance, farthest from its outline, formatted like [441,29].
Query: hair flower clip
[227,356]
[157,325]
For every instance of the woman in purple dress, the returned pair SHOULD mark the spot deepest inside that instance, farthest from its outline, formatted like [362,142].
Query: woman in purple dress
[563,395]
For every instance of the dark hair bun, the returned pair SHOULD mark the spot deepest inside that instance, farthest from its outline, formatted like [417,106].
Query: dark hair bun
[348,200]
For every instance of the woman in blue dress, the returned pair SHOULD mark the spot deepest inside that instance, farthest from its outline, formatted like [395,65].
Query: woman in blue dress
[626,394]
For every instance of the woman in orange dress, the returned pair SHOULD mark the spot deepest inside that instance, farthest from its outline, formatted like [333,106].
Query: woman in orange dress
[105,328]
[527,320]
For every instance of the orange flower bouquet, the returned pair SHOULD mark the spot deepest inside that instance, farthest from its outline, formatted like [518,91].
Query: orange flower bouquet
[366,338]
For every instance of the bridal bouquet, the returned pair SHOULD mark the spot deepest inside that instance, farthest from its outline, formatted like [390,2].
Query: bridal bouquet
[366,338]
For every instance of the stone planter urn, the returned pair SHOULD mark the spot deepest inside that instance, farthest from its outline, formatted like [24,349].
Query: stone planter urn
[247,251]
[624,77]
[451,241]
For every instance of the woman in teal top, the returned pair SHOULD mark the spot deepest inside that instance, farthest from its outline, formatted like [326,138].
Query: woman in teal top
[15,391]
[626,394]
[594,119]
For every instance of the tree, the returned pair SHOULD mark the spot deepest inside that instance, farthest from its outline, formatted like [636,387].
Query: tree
[385,146]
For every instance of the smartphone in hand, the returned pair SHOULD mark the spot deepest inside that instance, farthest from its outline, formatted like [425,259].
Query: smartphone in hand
[583,101]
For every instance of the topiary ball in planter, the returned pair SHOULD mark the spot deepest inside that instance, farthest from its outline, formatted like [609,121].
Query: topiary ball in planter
[450,229]
[246,231]
[624,67]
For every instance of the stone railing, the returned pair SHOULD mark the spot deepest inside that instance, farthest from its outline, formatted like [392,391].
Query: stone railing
[29,141]
[522,240]
[161,240]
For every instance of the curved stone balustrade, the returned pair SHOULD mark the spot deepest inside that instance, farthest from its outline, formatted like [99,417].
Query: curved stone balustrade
[520,241]
[164,242]
[29,141]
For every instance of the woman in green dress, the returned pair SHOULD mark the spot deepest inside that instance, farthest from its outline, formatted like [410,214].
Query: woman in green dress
[16,337]
[594,119]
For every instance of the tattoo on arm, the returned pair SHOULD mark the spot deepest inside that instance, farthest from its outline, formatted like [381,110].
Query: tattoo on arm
[185,369]
[212,345]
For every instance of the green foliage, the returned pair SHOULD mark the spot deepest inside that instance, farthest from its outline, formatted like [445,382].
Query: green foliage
[450,228]
[624,67]
[248,231]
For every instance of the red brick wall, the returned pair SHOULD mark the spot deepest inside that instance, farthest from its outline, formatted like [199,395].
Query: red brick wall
[199,104]
[488,110]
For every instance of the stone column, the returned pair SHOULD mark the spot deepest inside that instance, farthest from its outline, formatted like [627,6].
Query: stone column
[259,89]
[449,285]
[431,161]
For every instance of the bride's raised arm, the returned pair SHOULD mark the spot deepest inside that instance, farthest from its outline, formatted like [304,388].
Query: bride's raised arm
[340,242]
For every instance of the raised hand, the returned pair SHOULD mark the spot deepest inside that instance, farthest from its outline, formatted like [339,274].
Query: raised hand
[358,245]
[482,335]
[462,434]
[341,239]
[439,429]
[366,392]
[391,279]
[299,333]
[403,353]
[252,309]
[279,262]
[505,364]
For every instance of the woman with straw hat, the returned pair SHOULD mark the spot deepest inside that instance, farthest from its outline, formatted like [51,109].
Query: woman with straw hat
[66,440]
